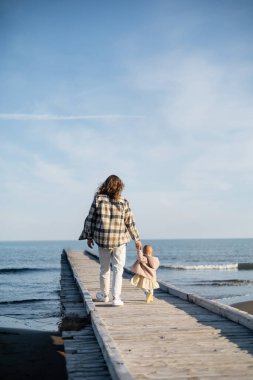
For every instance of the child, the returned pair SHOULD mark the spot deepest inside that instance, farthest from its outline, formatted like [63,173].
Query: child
[145,272]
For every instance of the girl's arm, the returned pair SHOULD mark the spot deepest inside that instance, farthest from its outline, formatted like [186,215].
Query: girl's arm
[140,257]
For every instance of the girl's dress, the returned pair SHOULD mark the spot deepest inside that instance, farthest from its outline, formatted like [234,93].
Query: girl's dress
[145,273]
[143,282]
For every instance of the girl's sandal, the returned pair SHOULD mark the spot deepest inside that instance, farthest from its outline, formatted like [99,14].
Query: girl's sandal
[149,298]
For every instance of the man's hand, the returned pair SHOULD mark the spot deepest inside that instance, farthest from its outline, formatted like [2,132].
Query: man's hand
[138,245]
[90,243]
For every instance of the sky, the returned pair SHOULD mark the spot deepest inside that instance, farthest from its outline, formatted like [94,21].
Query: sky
[158,92]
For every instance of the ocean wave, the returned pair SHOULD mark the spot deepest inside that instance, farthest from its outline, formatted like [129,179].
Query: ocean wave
[23,270]
[51,314]
[201,267]
[31,300]
[229,282]
[230,266]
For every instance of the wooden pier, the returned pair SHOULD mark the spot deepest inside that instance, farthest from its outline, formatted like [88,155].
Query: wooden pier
[84,358]
[178,336]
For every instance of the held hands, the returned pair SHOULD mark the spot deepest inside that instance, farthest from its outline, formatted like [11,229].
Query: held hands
[138,245]
[90,243]
[140,257]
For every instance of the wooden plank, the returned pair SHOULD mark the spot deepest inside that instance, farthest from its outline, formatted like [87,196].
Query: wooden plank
[84,292]
[84,358]
[171,338]
[226,311]
[115,364]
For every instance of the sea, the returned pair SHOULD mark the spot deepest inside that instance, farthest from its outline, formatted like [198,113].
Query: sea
[218,269]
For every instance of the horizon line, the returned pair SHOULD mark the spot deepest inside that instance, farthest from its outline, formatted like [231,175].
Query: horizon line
[171,238]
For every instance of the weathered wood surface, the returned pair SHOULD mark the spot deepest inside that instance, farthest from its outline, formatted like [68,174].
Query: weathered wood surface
[170,338]
[84,358]
[227,311]
[114,361]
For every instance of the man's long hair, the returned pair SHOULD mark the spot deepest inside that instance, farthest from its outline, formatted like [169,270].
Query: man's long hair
[112,187]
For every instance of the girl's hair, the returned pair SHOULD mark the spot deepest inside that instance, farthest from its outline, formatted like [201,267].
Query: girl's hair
[112,187]
[147,247]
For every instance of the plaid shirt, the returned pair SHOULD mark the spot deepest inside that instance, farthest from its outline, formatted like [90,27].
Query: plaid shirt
[109,222]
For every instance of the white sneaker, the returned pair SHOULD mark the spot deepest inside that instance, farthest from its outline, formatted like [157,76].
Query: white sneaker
[117,302]
[101,297]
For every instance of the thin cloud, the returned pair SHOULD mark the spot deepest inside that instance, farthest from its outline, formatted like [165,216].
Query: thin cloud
[41,117]
[195,92]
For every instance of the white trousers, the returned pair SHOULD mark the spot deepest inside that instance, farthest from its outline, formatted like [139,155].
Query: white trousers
[118,258]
